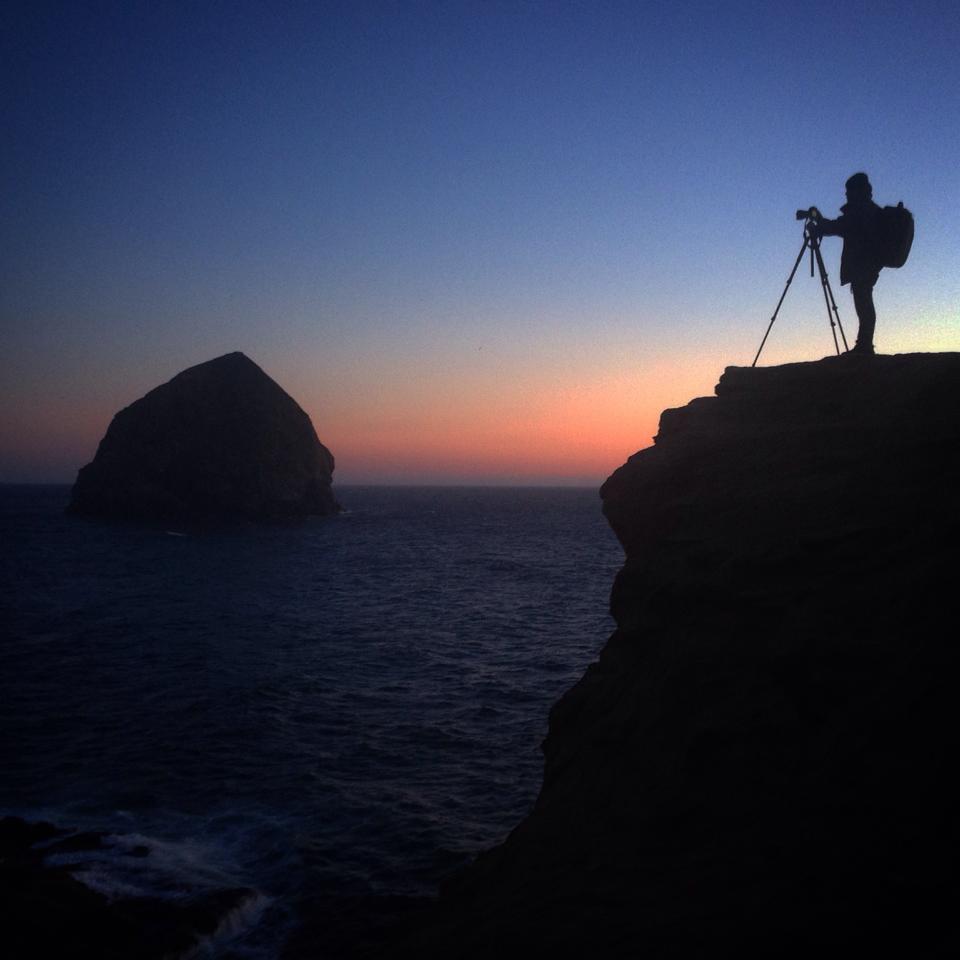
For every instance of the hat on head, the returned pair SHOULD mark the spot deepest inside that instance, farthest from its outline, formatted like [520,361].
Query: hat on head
[859,183]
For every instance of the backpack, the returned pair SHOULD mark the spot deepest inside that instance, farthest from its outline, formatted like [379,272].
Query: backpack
[896,235]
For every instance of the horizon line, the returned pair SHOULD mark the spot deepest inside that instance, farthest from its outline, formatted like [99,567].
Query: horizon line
[406,484]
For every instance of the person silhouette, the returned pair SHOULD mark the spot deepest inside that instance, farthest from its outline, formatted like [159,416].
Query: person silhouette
[859,224]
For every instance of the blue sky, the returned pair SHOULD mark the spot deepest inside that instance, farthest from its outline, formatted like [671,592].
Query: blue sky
[428,220]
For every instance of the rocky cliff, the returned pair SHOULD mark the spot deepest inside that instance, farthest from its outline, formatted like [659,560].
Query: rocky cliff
[221,440]
[761,762]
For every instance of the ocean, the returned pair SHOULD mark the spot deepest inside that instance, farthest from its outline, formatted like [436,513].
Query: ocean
[350,705]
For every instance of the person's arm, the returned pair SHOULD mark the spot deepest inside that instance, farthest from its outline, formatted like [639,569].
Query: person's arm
[832,228]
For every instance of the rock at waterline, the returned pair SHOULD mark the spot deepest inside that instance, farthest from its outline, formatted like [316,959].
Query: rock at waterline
[220,441]
[50,912]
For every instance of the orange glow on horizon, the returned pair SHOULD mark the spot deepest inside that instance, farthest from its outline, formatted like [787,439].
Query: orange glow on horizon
[579,432]
[560,423]
[455,455]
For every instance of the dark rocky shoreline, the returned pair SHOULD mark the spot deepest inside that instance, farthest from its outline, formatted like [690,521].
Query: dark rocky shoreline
[51,913]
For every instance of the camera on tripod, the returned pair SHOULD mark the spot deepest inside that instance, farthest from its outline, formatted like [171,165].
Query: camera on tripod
[811,242]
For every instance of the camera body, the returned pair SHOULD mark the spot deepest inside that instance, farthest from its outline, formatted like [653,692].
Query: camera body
[811,213]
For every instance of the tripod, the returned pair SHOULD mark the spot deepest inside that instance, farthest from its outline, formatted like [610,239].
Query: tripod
[811,242]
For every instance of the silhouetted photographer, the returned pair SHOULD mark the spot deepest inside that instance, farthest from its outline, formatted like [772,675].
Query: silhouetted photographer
[861,224]
[873,238]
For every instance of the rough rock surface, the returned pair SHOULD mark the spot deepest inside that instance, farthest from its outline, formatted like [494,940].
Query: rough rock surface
[762,761]
[219,441]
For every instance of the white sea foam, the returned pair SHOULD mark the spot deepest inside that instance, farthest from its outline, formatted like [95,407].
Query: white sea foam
[173,869]
[234,925]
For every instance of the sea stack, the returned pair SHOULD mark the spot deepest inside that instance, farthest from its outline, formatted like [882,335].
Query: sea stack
[762,762]
[220,441]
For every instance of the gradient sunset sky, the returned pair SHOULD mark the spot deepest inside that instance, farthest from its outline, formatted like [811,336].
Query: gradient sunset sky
[477,242]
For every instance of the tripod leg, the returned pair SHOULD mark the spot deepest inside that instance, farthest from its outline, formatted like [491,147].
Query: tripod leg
[837,315]
[832,310]
[833,326]
[780,301]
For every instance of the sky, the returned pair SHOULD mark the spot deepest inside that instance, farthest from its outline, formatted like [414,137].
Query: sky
[477,242]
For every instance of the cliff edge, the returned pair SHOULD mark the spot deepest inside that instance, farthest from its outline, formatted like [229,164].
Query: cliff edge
[761,761]
[220,441]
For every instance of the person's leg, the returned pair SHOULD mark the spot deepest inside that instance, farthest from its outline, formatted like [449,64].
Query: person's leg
[862,291]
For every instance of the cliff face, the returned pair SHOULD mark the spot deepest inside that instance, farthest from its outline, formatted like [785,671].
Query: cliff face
[762,759]
[221,440]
